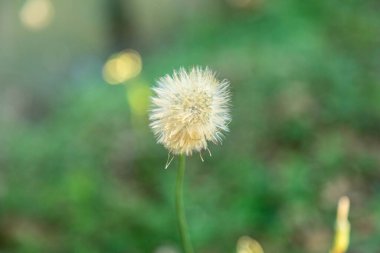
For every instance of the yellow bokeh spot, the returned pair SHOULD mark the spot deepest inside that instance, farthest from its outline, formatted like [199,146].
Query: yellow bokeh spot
[122,67]
[36,14]
[248,245]
[138,98]
[342,230]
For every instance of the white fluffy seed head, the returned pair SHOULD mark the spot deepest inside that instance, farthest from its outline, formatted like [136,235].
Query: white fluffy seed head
[189,109]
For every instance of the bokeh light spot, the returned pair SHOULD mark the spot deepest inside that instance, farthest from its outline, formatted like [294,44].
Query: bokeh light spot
[138,98]
[36,14]
[122,67]
[248,245]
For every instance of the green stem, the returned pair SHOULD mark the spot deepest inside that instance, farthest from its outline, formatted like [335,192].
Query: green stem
[182,225]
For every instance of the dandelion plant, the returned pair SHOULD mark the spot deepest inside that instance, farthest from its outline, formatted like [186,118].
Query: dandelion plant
[189,109]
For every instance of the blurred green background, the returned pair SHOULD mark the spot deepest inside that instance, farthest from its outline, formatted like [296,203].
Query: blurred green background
[80,170]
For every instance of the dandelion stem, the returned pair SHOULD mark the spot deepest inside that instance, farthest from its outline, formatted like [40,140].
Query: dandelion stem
[182,224]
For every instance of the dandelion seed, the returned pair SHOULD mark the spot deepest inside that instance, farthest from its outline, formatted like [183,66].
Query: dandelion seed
[189,109]
[169,161]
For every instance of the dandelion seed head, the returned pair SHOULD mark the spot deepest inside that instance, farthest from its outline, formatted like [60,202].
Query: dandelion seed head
[189,109]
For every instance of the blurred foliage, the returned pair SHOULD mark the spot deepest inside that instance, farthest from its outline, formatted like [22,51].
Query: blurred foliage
[79,167]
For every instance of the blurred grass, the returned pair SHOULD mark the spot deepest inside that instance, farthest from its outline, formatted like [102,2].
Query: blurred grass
[80,174]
